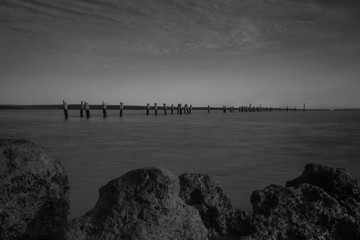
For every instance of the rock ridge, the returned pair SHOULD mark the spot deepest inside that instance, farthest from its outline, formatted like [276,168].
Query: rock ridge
[322,203]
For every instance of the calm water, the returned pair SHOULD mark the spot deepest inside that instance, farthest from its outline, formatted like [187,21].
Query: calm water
[242,151]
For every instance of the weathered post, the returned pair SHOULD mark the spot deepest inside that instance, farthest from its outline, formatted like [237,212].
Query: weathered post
[186,109]
[155,108]
[87,110]
[172,108]
[165,112]
[304,108]
[295,109]
[287,109]
[224,109]
[82,109]
[208,108]
[250,108]
[121,108]
[147,108]
[104,109]
[66,110]
[180,108]
[190,109]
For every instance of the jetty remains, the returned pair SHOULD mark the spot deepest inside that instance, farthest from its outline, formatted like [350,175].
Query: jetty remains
[180,109]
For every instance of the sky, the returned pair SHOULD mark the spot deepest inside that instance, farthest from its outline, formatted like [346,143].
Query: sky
[200,52]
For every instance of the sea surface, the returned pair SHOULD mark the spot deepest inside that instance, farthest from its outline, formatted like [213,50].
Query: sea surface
[241,151]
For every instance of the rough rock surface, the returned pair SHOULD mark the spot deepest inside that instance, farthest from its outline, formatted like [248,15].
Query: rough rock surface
[306,212]
[34,192]
[142,204]
[336,182]
[215,208]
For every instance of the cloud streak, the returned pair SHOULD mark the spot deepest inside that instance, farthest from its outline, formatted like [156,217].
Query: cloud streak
[171,27]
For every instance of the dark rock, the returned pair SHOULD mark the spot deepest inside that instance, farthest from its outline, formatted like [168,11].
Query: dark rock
[336,182]
[239,224]
[142,204]
[215,208]
[34,192]
[305,212]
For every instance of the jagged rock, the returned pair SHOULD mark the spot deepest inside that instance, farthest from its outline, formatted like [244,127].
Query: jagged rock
[336,182]
[34,192]
[215,208]
[142,204]
[306,212]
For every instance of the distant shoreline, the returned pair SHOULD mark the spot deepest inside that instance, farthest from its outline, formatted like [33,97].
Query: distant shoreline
[136,107]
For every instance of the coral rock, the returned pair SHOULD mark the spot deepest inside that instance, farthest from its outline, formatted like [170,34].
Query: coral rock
[34,199]
[142,204]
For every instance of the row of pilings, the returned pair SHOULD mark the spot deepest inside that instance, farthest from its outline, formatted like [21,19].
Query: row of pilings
[180,109]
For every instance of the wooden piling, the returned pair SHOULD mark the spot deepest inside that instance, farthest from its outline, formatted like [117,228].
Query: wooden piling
[287,109]
[147,108]
[190,109]
[224,109]
[104,109]
[186,109]
[208,108]
[165,112]
[82,109]
[295,109]
[87,110]
[304,108]
[180,109]
[155,108]
[172,108]
[66,110]
[121,108]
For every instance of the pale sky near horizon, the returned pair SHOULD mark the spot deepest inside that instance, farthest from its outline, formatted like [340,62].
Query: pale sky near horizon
[200,52]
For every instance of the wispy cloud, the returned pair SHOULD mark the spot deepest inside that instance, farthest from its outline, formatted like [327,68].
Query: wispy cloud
[174,27]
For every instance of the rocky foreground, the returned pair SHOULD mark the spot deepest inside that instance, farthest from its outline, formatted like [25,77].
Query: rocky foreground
[152,203]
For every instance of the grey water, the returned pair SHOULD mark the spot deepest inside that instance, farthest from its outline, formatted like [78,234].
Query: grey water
[241,151]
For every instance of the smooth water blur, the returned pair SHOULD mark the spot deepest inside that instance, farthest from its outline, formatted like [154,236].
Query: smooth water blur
[242,151]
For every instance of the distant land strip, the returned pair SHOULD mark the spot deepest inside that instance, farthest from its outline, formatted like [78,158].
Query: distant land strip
[137,107]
